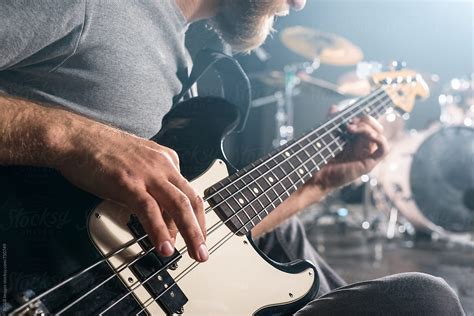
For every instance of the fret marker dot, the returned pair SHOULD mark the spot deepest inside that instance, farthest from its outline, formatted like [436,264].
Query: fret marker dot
[271,179]
[255,190]
[318,144]
[241,201]
[367,110]
[301,171]
[287,154]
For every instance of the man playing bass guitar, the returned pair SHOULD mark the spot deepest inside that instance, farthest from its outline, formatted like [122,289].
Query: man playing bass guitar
[86,83]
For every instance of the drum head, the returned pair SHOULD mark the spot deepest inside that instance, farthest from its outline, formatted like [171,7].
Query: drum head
[442,178]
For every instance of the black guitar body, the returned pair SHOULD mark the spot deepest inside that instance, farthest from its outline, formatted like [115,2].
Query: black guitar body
[43,218]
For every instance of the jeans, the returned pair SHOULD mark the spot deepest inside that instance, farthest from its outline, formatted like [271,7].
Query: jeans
[400,294]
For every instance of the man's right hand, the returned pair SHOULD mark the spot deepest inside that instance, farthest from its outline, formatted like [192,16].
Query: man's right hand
[113,165]
[143,176]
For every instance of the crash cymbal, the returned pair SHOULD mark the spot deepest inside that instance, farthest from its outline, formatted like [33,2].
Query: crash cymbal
[329,48]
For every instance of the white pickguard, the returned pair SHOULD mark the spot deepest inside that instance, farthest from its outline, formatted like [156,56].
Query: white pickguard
[236,280]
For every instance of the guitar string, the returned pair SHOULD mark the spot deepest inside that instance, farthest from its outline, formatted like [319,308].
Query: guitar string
[251,220]
[128,244]
[188,269]
[219,244]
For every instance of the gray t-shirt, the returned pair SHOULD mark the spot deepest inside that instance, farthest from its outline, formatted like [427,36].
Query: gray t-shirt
[117,61]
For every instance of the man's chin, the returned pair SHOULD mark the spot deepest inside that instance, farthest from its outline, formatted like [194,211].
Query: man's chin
[245,43]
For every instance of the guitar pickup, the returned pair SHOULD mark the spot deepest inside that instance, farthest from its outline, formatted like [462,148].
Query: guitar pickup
[137,230]
[160,285]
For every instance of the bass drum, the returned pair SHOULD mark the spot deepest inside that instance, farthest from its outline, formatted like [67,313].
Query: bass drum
[429,177]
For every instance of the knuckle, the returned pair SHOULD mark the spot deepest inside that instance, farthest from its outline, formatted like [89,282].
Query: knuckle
[145,205]
[173,154]
[124,179]
[166,151]
[199,201]
[183,202]
[167,160]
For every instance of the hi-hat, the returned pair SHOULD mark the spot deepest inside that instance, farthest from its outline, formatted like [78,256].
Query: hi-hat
[329,48]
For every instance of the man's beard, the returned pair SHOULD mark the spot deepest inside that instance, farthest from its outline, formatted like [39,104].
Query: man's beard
[244,24]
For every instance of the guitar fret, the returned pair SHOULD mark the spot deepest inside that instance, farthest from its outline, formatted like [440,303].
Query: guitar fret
[255,211]
[258,199]
[311,159]
[288,183]
[239,210]
[294,178]
[247,196]
[278,186]
[261,180]
[326,140]
[301,169]
[274,196]
[319,152]
[339,146]
[255,191]
[234,213]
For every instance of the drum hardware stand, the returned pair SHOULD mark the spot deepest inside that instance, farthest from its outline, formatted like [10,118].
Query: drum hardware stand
[392,222]
[284,116]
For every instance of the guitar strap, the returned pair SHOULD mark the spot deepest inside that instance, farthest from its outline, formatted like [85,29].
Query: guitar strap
[236,85]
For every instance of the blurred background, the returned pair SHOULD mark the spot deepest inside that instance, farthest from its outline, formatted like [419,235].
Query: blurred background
[415,212]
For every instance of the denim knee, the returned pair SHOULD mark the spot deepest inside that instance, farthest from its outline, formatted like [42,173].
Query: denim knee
[433,291]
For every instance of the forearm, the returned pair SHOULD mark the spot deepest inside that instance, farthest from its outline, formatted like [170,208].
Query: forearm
[304,197]
[35,135]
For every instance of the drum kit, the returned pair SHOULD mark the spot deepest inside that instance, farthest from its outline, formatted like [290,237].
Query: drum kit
[427,180]
[428,176]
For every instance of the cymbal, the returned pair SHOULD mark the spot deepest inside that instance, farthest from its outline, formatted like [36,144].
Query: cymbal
[329,48]
[276,79]
[350,84]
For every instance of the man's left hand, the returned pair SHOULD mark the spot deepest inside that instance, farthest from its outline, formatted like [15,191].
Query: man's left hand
[359,156]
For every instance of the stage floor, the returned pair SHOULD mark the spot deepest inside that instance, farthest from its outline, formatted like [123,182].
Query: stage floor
[359,255]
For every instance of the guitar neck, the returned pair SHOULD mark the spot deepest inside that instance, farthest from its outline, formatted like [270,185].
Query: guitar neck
[245,198]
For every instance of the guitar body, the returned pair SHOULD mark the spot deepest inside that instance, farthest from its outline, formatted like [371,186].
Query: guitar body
[51,230]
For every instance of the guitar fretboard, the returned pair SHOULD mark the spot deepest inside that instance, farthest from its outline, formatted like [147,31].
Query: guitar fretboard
[246,197]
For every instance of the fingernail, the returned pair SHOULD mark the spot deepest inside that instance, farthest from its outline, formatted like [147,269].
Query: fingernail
[203,254]
[166,249]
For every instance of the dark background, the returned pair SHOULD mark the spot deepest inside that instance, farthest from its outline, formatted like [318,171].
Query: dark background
[432,37]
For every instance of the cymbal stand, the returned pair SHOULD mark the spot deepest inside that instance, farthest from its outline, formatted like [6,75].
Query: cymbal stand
[284,117]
